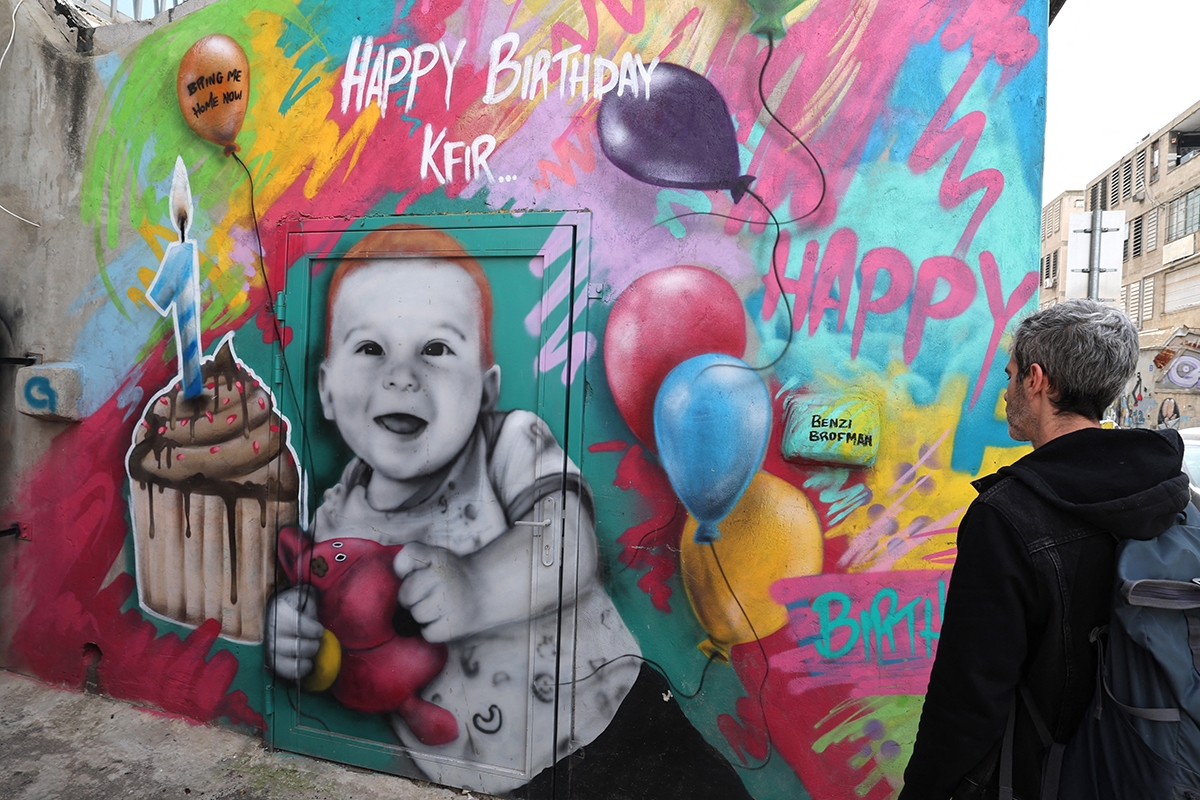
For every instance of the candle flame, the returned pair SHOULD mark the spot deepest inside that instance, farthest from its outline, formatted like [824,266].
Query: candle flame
[181,198]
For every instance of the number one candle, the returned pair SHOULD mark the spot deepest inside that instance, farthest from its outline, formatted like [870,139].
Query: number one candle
[176,287]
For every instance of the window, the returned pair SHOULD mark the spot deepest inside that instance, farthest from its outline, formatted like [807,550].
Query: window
[1135,238]
[1182,289]
[1183,147]
[1183,215]
[1114,187]
[1133,302]
[1152,230]
[1137,299]
[1050,270]
[1098,195]
[1139,172]
[1154,153]
[1125,244]
[1051,220]
[1127,179]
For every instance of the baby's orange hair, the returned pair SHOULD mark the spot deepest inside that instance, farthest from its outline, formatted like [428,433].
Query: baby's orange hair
[406,241]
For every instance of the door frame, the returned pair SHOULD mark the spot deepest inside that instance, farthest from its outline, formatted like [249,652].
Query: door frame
[294,371]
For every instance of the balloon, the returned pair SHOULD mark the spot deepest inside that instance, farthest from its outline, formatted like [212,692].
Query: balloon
[678,135]
[712,419]
[662,319]
[214,89]
[773,532]
[770,16]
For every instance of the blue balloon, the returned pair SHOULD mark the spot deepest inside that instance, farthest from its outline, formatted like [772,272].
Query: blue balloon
[712,420]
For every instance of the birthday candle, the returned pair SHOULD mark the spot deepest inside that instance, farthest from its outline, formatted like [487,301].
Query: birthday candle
[176,288]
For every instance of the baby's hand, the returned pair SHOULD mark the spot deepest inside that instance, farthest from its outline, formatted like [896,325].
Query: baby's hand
[438,591]
[293,633]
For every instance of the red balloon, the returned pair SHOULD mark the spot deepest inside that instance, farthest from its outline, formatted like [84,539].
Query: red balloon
[213,85]
[664,318]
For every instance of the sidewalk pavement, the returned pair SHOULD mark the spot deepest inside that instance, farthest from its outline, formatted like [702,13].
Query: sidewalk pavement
[60,744]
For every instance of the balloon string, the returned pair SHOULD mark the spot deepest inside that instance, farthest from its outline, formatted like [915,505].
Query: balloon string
[787,304]
[762,686]
[306,445]
[762,96]
[648,534]
[791,327]
[659,668]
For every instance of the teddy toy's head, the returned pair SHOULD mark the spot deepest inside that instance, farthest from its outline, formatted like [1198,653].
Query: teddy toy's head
[355,581]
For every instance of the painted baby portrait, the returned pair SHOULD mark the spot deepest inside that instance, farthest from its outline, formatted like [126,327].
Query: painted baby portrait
[417,593]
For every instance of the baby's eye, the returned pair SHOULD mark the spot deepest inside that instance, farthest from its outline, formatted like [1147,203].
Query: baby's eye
[437,349]
[369,349]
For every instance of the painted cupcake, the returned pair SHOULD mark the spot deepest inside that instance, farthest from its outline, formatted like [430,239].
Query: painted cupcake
[211,481]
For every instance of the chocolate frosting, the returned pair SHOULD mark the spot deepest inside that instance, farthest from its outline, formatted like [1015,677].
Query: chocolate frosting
[216,444]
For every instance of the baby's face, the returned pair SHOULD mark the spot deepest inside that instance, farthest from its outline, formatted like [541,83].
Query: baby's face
[403,378]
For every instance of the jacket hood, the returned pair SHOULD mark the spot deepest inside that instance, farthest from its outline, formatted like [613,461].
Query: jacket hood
[1129,483]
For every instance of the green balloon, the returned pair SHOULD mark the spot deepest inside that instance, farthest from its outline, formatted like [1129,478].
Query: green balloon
[770,16]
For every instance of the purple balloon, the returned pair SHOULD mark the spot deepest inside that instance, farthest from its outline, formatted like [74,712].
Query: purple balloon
[681,136]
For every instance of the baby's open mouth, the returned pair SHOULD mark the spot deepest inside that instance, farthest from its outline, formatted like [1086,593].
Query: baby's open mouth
[404,424]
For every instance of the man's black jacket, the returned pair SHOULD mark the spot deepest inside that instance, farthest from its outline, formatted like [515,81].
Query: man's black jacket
[1033,577]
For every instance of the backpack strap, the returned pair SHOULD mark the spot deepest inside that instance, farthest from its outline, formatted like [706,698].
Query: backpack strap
[1006,752]
[1151,714]
[1051,769]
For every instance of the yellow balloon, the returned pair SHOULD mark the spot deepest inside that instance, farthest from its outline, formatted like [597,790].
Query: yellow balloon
[773,532]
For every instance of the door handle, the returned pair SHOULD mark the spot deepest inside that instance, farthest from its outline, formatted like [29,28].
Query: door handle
[549,509]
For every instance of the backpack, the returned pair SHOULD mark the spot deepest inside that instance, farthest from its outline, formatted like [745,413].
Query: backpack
[1140,737]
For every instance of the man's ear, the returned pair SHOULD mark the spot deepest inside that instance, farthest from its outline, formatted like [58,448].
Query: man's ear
[323,390]
[1037,380]
[491,388]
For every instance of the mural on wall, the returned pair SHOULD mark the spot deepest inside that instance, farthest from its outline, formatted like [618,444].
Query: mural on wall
[800,266]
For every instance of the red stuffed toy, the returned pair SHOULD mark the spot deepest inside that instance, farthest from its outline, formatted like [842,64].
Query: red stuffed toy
[381,670]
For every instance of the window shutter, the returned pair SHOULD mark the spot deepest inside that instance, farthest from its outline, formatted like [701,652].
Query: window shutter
[1114,187]
[1134,304]
[1139,173]
[1135,236]
[1127,179]
[1147,299]
[1152,230]
[1182,289]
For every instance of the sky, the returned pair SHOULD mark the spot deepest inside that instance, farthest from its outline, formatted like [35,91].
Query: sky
[1141,58]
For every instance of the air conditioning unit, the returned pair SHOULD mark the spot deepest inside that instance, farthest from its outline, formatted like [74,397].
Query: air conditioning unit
[1049,283]
[1139,197]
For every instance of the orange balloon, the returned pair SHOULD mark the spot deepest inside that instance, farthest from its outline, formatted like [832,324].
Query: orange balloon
[772,533]
[214,89]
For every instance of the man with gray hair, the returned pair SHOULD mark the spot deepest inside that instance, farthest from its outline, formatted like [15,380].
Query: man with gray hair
[1035,561]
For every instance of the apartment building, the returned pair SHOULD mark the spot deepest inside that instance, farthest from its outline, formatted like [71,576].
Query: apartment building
[1056,218]
[1157,185]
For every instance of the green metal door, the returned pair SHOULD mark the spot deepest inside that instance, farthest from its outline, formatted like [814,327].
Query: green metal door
[416,467]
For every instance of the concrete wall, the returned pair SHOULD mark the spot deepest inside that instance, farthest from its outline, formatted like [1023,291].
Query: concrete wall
[836,475]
